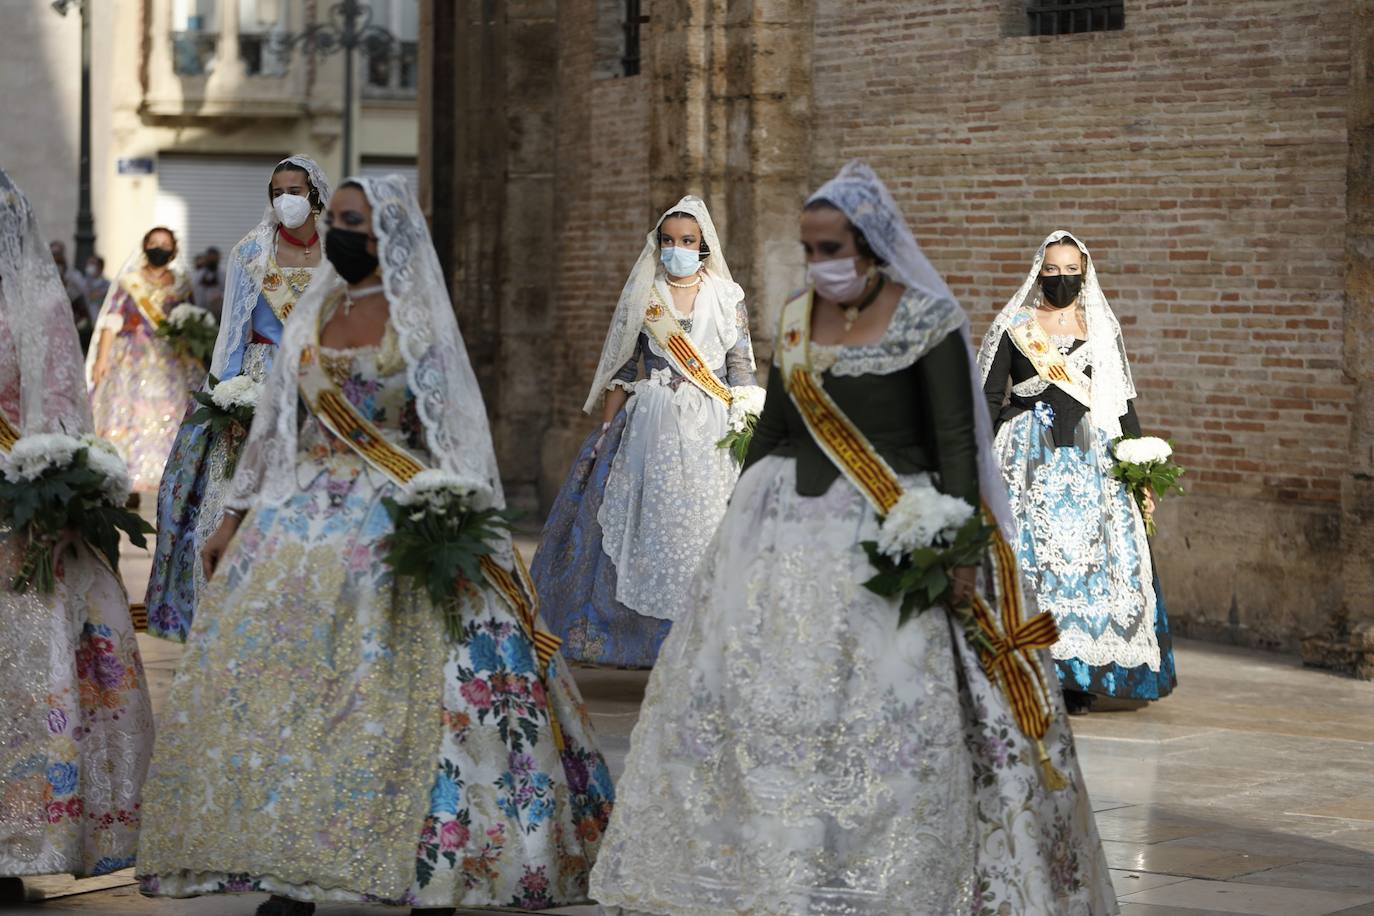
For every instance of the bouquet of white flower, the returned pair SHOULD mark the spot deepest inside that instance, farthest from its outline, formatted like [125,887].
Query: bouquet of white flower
[191,331]
[54,487]
[439,540]
[228,406]
[921,541]
[746,403]
[1144,464]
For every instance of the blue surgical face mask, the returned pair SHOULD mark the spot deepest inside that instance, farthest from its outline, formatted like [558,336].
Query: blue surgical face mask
[680,262]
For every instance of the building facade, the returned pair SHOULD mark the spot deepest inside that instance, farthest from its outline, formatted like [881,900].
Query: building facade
[1215,155]
[191,107]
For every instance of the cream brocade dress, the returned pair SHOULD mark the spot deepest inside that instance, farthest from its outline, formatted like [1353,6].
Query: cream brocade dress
[325,742]
[76,724]
[798,752]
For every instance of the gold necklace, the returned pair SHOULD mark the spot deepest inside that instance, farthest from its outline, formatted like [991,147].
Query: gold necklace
[695,281]
[851,313]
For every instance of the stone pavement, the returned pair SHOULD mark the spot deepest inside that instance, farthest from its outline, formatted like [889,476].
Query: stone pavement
[1249,791]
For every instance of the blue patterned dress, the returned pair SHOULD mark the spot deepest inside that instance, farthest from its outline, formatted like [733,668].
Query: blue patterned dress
[1081,539]
[190,497]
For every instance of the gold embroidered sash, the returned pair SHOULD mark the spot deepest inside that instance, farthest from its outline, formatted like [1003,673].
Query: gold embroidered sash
[682,352]
[8,434]
[1013,660]
[282,287]
[1030,338]
[338,415]
[150,299]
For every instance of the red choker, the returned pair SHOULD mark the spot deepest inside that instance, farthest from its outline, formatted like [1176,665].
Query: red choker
[295,241]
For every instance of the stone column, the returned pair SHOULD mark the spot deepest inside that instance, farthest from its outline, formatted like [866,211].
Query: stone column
[491,193]
[731,123]
[1357,487]
[767,147]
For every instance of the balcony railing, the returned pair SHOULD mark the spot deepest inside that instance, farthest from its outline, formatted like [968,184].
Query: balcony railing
[193,53]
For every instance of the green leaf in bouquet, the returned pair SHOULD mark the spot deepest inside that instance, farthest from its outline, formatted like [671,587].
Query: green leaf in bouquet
[886,583]
[912,605]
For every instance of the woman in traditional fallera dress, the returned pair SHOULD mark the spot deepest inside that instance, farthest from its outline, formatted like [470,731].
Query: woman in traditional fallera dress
[138,383]
[324,741]
[647,490]
[1081,538]
[76,725]
[268,272]
[799,751]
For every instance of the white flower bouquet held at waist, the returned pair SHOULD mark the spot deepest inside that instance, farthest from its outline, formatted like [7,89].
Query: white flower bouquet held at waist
[227,407]
[746,403]
[1145,465]
[56,489]
[921,541]
[191,331]
[439,539]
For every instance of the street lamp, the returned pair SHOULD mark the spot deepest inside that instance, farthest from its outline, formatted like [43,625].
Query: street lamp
[348,27]
[85,222]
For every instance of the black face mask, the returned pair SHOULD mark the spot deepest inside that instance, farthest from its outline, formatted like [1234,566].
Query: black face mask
[347,251]
[1062,289]
[158,257]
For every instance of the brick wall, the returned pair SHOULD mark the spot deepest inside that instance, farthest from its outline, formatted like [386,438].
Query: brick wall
[603,211]
[1201,154]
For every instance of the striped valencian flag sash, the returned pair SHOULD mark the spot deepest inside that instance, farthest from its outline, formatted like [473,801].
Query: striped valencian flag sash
[8,434]
[338,415]
[1013,659]
[147,298]
[1030,338]
[681,351]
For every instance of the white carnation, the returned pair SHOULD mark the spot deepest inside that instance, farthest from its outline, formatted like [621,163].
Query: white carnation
[239,391]
[436,490]
[31,456]
[103,458]
[183,315]
[1146,450]
[923,517]
[746,403]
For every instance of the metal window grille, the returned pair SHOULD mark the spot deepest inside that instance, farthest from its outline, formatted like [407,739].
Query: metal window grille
[634,18]
[1065,17]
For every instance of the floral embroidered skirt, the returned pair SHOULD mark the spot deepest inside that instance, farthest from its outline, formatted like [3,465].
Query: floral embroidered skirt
[190,505]
[798,752]
[1083,551]
[77,727]
[324,740]
[575,578]
[139,402]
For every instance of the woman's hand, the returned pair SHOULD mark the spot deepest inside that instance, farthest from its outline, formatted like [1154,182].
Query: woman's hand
[600,440]
[214,549]
[1149,502]
[965,585]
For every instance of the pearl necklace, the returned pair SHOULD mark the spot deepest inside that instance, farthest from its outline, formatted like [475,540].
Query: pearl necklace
[694,282]
[355,294]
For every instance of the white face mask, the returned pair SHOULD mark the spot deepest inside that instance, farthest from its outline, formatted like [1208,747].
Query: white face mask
[292,209]
[838,280]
